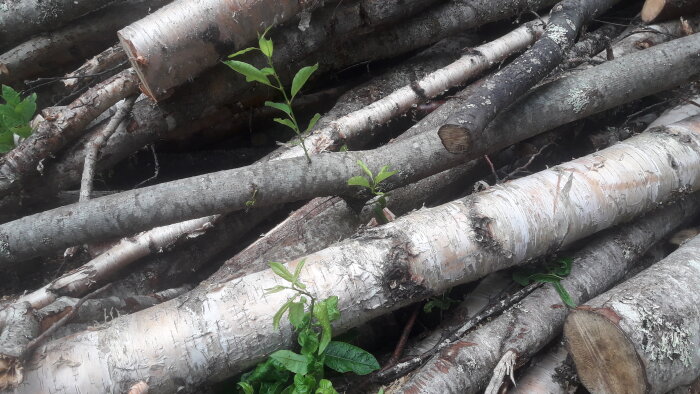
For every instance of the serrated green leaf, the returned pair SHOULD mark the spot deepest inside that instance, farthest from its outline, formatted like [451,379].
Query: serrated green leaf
[344,357]
[332,306]
[250,72]
[26,109]
[296,314]
[304,384]
[246,388]
[280,312]
[280,106]
[265,45]
[286,122]
[281,271]
[308,340]
[10,96]
[325,386]
[241,52]
[301,78]
[365,169]
[321,314]
[358,181]
[313,122]
[383,174]
[291,361]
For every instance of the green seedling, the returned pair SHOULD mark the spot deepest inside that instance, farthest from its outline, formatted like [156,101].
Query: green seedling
[289,372]
[554,273]
[268,76]
[372,183]
[15,115]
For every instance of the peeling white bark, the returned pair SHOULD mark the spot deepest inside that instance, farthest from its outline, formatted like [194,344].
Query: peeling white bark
[221,328]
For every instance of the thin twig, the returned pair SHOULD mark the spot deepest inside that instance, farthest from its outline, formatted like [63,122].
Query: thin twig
[156,170]
[398,350]
[39,82]
[526,165]
[38,340]
[493,169]
[409,365]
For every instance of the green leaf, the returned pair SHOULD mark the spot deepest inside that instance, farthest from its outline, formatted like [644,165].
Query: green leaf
[250,72]
[344,357]
[280,312]
[286,122]
[10,96]
[321,314]
[270,370]
[265,45]
[383,174]
[246,388]
[562,267]
[22,131]
[297,271]
[565,296]
[332,306]
[275,289]
[296,314]
[268,71]
[359,181]
[293,362]
[4,148]
[302,76]
[270,387]
[26,108]
[547,278]
[281,271]
[280,106]
[312,122]
[304,384]
[366,170]
[325,386]
[241,52]
[521,277]
[308,340]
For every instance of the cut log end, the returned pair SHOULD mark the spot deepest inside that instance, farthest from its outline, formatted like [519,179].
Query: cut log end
[137,65]
[652,9]
[605,359]
[454,138]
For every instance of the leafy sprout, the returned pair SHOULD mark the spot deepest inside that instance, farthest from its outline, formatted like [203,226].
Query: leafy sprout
[289,372]
[372,182]
[554,273]
[15,115]
[268,76]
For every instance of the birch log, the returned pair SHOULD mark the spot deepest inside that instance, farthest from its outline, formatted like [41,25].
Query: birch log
[642,336]
[466,366]
[293,179]
[222,328]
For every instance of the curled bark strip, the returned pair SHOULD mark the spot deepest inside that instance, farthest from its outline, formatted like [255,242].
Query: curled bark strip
[182,39]
[400,101]
[656,10]
[21,19]
[95,144]
[219,329]
[63,127]
[511,82]
[465,367]
[567,99]
[654,321]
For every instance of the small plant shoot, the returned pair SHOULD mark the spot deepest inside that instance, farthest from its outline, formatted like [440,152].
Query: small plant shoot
[289,372]
[15,115]
[268,76]
[554,273]
[372,182]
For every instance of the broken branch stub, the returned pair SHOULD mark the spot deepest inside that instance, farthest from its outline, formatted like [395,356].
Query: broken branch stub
[182,39]
[642,336]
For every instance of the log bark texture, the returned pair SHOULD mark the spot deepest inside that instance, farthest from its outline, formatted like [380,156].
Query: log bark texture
[21,19]
[642,336]
[567,99]
[466,366]
[221,328]
[657,10]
